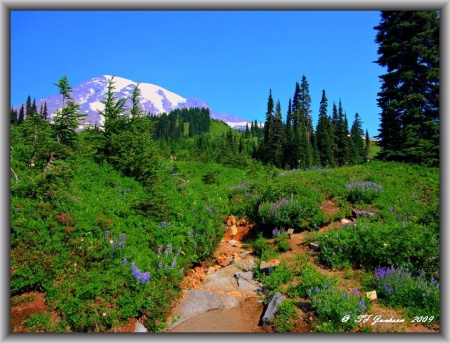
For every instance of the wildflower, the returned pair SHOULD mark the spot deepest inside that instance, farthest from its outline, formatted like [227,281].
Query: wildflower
[174,263]
[124,261]
[146,277]
[160,264]
[123,236]
[355,291]
[182,271]
[163,224]
[317,290]
[309,292]
[107,235]
[104,314]
[160,250]
[191,234]
[169,248]
[111,241]
[178,251]
[121,244]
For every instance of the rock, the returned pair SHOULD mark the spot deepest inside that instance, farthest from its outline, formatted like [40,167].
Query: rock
[272,307]
[346,221]
[231,220]
[210,270]
[232,242]
[357,214]
[197,301]
[228,271]
[225,262]
[247,276]
[245,264]
[372,295]
[303,304]
[264,266]
[314,246]
[222,284]
[232,230]
[138,327]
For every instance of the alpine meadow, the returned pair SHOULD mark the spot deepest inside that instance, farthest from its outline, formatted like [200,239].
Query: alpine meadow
[147,215]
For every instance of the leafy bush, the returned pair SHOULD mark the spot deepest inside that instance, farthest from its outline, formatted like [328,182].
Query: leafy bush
[310,278]
[337,310]
[418,295]
[363,192]
[285,317]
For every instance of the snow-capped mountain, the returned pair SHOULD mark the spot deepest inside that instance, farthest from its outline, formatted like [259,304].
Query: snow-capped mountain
[153,99]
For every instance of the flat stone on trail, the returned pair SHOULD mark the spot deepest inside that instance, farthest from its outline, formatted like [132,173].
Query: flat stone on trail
[232,242]
[197,301]
[245,264]
[223,284]
[228,271]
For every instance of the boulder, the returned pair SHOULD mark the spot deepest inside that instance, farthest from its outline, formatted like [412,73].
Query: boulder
[138,327]
[223,284]
[314,246]
[272,307]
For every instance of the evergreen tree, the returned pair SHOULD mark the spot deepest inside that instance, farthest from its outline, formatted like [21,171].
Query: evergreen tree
[409,97]
[113,112]
[21,117]
[358,152]
[278,140]
[28,110]
[66,119]
[45,112]
[13,116]
[266,154]
[135,110]
[323,134]
[367,146]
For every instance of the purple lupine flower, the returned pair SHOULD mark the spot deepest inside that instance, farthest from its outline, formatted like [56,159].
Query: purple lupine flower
[133,265]
[146,277]
[160,250]
[191,234]
[106,234]
[169,248]
[362,305]
[433,281]
[121,244]
[355,291]
[124,261]
[123,236]
[317,290]
[174,263]
[163,224]
[160,264]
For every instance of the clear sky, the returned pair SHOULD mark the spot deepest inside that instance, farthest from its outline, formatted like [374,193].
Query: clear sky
[230,59]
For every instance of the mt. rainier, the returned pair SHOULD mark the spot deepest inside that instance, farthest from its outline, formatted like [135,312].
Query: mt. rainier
[153,99]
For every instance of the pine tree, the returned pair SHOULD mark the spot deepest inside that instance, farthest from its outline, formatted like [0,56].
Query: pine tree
[67,119]
[279,142]
[367,155]
[113,112]
[323,134]
[21,117]
[13,116]
[45,112]
[266,153]
[409,97]
[358,152]
[135,110]
[28,110]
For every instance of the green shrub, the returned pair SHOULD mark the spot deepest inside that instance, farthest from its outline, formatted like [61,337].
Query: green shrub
[285,317]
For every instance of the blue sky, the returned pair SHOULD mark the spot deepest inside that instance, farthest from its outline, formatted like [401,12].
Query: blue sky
[230,59]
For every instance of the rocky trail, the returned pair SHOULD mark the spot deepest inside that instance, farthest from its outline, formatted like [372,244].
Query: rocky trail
[223,297]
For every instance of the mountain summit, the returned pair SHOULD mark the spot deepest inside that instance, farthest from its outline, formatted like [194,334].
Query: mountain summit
[153,99]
